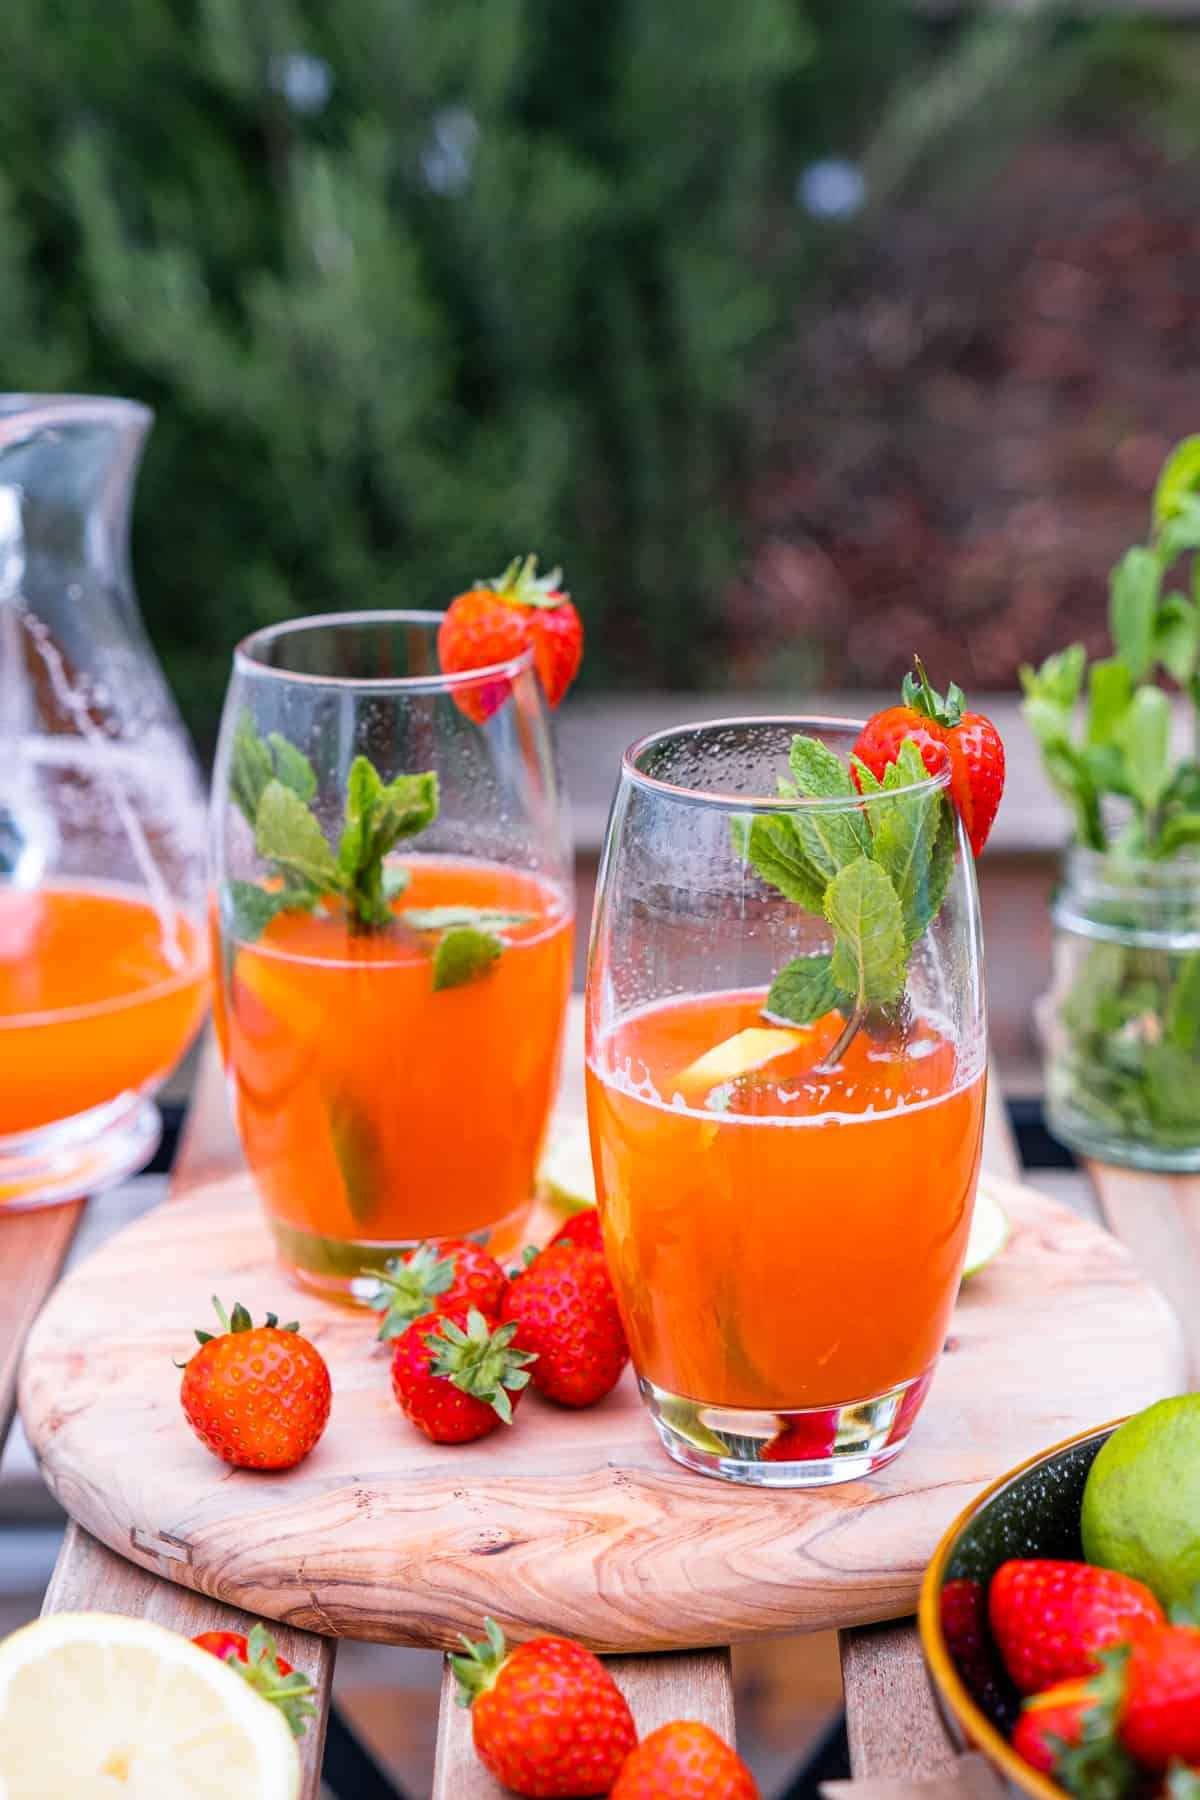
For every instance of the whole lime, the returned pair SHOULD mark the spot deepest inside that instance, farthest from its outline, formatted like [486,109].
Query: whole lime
[1141,1504]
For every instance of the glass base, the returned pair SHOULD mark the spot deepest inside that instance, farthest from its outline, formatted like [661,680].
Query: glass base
[812,1447]
[341,1268]
[80,1156]
[1086,1138]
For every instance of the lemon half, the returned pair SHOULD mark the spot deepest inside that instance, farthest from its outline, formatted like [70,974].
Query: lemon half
[103,1707]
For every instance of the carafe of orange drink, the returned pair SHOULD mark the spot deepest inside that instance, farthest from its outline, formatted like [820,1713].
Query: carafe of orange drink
[103,969]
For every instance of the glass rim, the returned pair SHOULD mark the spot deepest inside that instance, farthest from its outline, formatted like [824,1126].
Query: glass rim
[777,803]
[23,415]
[246,656]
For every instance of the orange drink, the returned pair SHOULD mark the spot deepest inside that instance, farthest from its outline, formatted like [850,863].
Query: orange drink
[790,1249]
[376,1109]
[391,903]
[786,1056]
[99,997]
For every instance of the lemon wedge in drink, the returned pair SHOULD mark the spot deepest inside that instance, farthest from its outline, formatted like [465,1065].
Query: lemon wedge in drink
[739,1055]
[95,1704]
[989,1231]
[566,1172]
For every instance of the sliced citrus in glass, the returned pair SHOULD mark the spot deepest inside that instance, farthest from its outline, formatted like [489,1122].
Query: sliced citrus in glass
[94,1704]
[738,1055]
[989,1231]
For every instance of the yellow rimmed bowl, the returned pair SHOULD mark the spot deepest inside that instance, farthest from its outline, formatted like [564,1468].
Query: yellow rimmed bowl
[1031,1511]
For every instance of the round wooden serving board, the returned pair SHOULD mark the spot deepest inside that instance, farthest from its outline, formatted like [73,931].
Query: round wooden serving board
[572,1522]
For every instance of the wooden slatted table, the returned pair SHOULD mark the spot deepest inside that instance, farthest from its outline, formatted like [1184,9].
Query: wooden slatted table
[892,1724]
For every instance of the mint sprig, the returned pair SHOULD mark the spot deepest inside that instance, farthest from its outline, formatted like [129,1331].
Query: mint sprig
[877,873]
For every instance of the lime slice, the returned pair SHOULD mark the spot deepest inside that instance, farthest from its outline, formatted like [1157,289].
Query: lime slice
[739,1055]
[566,1172]
[989,1231]
[96,1703]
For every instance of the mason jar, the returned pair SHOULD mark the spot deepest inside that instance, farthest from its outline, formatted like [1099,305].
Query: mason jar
[1121,1024]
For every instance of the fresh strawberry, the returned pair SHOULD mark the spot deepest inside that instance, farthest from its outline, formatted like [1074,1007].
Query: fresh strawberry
[270,1675]
[497,620]
[567,1311]
[547,1718]
[1052,1722]
[1049,1619]
[457,1375]
[582,1230]
[445,1275]
[965,1629]
[1158,1714]
[686,1761]
[257,1396]
[941,729]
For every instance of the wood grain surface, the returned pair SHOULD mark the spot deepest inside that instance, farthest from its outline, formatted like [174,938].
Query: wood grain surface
[577,1522]
[89,1577]
[685,1685]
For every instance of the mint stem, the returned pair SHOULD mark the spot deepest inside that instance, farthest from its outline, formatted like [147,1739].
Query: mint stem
[849,1032]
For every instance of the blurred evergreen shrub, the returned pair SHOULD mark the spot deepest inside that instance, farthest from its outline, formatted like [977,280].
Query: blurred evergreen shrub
[413,285]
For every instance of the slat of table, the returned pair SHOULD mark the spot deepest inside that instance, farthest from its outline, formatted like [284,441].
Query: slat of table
[89,1577]
[694,1684]
[892,1722]
[33,1246]
[1157,1218]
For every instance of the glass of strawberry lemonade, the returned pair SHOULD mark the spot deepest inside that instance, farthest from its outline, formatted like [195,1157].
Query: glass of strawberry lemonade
[392,924]
[785,1067]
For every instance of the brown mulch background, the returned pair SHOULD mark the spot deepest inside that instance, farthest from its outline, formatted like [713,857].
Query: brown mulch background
[962,441]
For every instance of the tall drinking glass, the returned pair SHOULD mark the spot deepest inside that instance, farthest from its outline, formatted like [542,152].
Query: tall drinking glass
[392,918]
[786,1162]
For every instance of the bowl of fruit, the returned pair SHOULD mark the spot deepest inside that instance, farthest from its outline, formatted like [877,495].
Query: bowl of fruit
[1060,1615]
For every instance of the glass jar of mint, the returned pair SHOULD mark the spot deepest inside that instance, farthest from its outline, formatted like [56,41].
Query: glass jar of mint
[1121,1024]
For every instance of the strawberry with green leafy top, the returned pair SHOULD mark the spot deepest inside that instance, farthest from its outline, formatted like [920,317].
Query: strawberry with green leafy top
[947,735]
[272,1676]
[257,1396]
[567,1311]
[547,1718]
[684,1761]
[582,1230]
[496,621]
[1051,1619]
[443,1275]
[457,1375]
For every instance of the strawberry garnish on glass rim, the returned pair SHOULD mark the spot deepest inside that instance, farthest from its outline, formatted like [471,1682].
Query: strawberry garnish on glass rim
[944,731]
[496,620]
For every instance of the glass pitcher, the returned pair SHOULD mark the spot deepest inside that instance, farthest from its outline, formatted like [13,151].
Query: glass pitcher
[103,969]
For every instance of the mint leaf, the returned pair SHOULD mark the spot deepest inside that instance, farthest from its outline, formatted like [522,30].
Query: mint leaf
[1178,480]
[1133,604]
[360,1160]
[288,835]
[463,955]
[819,773]
[830,839]
[803,991]
[445,918]
[1177,637]
[377,817]
[906,834]
[869,956]
[1182,830]
[292,767]
[251,908]
[1110,690]
[1060,678]
[773,851]
[868,781]
[1145,737]
[251,767]
[1183,1010]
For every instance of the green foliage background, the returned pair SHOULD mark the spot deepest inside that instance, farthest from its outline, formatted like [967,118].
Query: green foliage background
[503,276]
